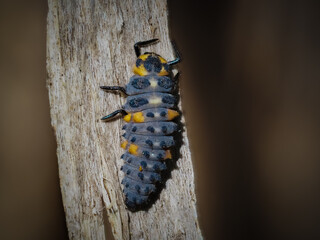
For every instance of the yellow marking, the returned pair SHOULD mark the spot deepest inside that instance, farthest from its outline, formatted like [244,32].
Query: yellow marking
[127,117]
[124,144]
[162,60]
[155,100]
[144,56]
[153,83]
[163,72]
[172,114]
[168,155]
[140,169]
[133,149]
[140,70]
[138,117]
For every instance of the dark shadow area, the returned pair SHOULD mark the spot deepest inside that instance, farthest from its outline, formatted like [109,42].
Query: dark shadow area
[250,94]
[30,202]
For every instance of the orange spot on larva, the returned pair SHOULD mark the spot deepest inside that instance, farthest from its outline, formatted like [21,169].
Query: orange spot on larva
[124,144]
[138,117]
[127,117]
[168,155]
[133,149]
[172,114]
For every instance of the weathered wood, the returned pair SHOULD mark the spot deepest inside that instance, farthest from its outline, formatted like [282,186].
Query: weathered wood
[90,43]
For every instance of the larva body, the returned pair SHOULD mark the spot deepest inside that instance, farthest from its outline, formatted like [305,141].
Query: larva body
[150,108]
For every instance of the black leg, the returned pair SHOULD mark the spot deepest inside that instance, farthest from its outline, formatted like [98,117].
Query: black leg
[111,115]
[114,88]
[178,57]
[138,45]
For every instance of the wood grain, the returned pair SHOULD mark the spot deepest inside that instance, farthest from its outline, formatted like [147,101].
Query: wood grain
[90,43]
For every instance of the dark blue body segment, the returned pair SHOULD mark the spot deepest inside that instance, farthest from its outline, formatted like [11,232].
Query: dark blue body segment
[144,101]
[150,83]
[154,142]
[138,187]
[134,198]
[141,176]
[155,114]
[146,165]
[153,154]
[151,128]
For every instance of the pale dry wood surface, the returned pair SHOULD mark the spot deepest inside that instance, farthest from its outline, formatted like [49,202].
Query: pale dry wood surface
[90,43]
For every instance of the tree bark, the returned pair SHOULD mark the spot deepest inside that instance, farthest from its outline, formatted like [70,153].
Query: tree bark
[90,43]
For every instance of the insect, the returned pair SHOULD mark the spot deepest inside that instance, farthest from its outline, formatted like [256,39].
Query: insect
[149,139]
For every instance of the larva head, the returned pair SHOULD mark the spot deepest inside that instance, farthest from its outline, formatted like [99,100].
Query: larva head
[151,63]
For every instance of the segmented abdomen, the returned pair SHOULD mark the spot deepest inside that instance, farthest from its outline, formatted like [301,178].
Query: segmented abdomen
[148,136]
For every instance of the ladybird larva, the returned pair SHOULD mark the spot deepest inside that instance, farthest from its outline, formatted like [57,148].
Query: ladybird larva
[150,111]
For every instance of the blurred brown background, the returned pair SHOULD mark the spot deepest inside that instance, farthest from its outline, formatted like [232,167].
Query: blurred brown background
[250,89]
